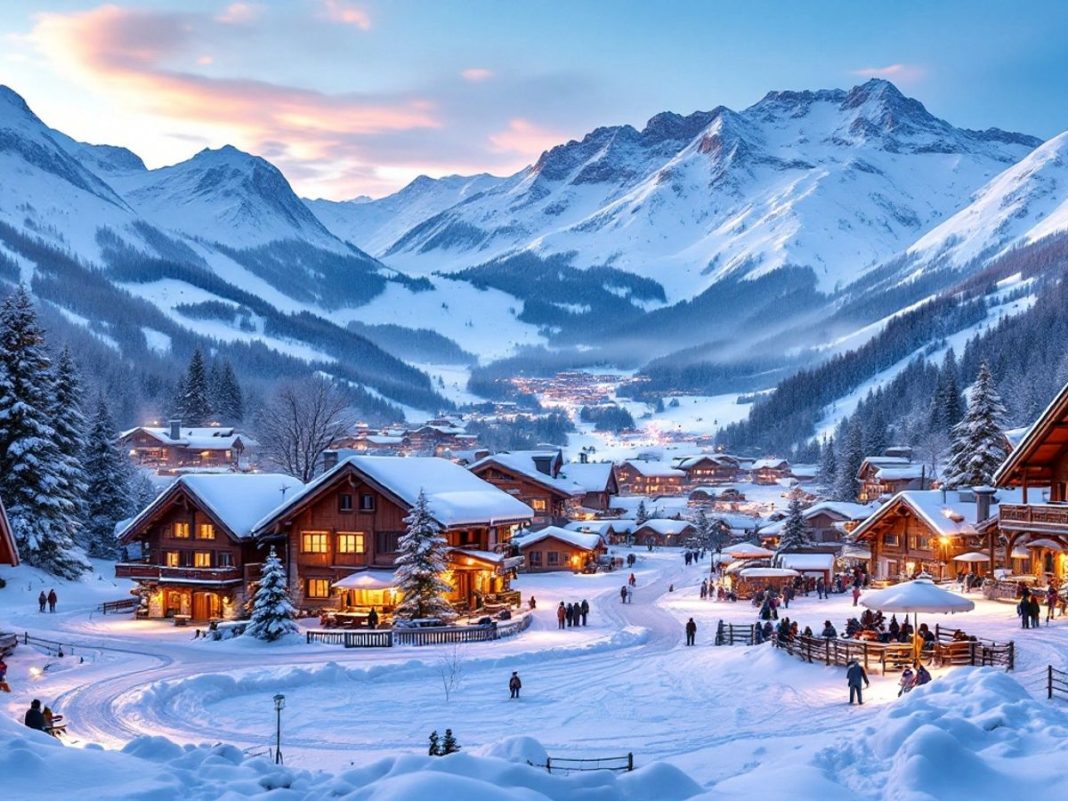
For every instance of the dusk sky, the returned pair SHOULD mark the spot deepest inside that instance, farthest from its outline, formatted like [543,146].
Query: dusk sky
[353,98]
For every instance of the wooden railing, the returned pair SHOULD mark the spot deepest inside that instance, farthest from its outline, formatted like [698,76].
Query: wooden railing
[1038,515]
[139,570]
[1056,683]
[896,656]
[125,605]
[353,639]
[437,635]
[730,634]
[444,635]
[509,628]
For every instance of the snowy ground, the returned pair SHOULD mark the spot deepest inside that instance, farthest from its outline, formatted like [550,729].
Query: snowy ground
[625,683]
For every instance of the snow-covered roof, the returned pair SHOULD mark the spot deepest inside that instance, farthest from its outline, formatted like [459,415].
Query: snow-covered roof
[1015,435]
[198,438]
[578,539]
[602,527]
[591,477]
[770,464]
[807,561]
[689,462]
[904,473]
[654,469]
[455,496]
[664,505]
[235,500]
[523,462]
[667,527]
[849,511]
[949,514]
[805,470]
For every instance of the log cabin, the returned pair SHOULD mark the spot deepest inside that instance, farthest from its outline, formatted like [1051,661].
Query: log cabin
[191,551]
[536,479]
[664,532]
[881,476]
[9,552]
[553,548]
[770,471]
[830,521]
[339,535]
[598,482]
[641,477]
[176,446]
[1037,468]
[716,468]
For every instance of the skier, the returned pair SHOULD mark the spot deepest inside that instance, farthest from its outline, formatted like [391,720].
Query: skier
[514,684]
[691,632]
[561,615]
[34,718]
[584,610]
[854,676]
[52,600]
[42,599]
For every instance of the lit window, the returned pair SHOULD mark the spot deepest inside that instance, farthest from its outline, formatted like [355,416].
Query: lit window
[172,559]
[206,531]
[181,531]
[202,559]
[539,505]
[313,542]
[318,588]
[350,542]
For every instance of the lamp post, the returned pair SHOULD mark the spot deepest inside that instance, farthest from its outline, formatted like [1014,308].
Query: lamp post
[279,705]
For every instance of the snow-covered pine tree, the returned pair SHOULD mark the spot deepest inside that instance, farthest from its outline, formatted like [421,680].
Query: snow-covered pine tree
[449,745]
[704,528]
[641,514]
[70,427]
[978,446]
[31,482]
[195,408]
[228,402]
[849,459]
[108,472]
[272,610]
[794,533]
[421,561]
[828,465]
[876,436]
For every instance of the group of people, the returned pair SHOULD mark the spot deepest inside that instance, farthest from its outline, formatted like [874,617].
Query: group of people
[692,557]
[572,614]
[1029,609]
[626,592]
[43,719]
[49,600]
[716,591]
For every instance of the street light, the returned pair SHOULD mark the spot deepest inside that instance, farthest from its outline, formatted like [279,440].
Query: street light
[279,705]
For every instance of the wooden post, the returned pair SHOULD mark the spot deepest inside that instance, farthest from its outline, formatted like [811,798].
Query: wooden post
[630,761]
[549,764]
[864,651]
[1049,682]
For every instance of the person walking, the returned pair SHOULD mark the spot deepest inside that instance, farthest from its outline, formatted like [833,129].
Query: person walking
[514,684]
[34,717]
[630,595]
[1036,612]
[1023,609]
[691,632]
[52,600]
[1051,603]
[569,615]
[821,589]
[855,675]
[704,589]
[623,594]
[584,610]
[533,604]
[42,600]
[856,594]
[561,615]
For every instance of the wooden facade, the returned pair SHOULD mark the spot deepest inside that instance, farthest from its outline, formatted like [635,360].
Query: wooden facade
[549,502]
[551,553]
[886,476]
[649,478]
[770,471]
[702,470]
[9,552]
[172,449]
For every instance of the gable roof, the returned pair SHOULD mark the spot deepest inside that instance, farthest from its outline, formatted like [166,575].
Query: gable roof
[654,469]
[522,463]
[666,527]
[578,539]
[198,438]
[843,509]
[9,552]
[455,496]
[1040,447]
[591,476]
[952,516]
[770,464]
[234,500]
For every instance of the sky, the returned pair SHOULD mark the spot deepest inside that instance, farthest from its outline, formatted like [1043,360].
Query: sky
[349,97]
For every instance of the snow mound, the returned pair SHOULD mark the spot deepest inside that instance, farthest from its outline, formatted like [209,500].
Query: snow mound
[515,749]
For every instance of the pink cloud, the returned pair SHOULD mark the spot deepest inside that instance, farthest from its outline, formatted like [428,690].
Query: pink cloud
[347,14]
[239,13]
[901,73]
[476,74]
[524,137]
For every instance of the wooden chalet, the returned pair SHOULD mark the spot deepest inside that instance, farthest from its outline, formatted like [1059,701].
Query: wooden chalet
[553,548]
[1037,468]
[770,471]
[9,552]
[641,477]
[717,468]
[598,482]
[664,532]
[536,478]
[339,535]
[176,446]
[191,551]
[831,521]
[881,476]
[921,531]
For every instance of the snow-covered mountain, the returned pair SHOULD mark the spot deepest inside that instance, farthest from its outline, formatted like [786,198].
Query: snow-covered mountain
[834,182]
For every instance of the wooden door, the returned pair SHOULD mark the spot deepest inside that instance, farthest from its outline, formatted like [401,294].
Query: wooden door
[206,605]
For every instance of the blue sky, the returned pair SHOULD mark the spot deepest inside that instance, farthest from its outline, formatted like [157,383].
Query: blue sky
[351,97]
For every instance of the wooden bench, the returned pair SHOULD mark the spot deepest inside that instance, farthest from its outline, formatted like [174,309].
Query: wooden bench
[182,620]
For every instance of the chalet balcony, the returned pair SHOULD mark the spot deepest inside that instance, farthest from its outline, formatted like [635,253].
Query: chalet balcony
[1040,517]
[140,571]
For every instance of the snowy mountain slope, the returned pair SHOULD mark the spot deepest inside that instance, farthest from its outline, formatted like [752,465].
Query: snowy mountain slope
[831,181]
[375,225]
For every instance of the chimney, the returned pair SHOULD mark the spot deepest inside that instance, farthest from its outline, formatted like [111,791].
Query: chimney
[176,429]
[983,497]
[330,459]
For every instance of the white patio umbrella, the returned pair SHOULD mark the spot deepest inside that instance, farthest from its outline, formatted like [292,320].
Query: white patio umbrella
[920,595]
[1052,545]
[767,572]
[972,556]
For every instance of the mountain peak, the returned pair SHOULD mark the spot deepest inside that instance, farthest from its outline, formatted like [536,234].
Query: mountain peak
[10,97]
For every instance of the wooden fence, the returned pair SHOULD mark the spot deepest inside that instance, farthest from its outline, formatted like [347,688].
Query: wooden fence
[8,643]
[567,765]
[896,656]
[437,635]
[51,647]
[113,607]
[1056,683]
[730,634]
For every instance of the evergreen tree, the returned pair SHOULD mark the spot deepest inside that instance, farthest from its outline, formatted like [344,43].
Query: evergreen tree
[828,465]
[142,491]
[978,446]
[32,482]
[227,399]
[449,745]
[109,474]
[876,436]
[849,459]
[641,514]
[272,610]
[704,528]
[195,408]
[435,744]
[69,425]
[794,532]
[421,561]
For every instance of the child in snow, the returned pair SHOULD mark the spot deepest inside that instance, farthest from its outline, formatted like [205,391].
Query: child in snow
[908,681]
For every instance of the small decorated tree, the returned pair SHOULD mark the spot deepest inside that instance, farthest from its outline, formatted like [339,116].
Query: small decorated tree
[272,609]
[421,561]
